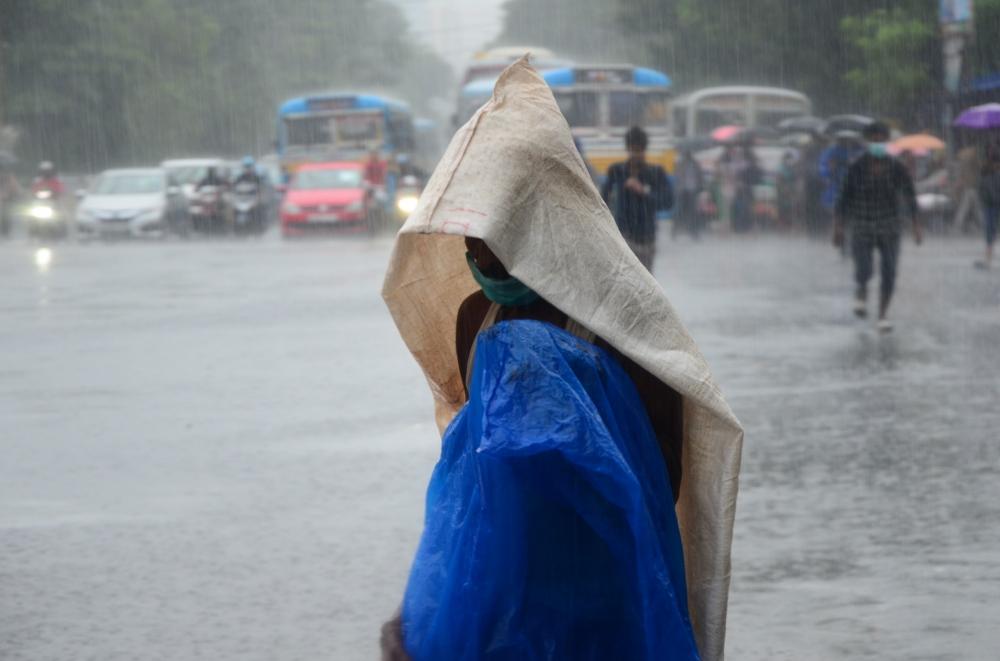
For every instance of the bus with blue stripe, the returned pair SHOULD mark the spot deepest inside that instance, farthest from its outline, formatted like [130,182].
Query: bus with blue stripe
[602,102]
[342,127]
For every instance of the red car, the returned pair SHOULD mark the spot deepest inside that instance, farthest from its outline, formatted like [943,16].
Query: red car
[326,196]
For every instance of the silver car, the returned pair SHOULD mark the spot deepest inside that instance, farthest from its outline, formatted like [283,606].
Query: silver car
[135,202]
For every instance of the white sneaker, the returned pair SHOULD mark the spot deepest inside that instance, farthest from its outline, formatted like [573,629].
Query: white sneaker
[860,308]
[884,326]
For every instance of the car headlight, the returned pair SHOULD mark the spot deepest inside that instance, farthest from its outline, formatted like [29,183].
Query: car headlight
[407,204]
[41,212]
[291,208]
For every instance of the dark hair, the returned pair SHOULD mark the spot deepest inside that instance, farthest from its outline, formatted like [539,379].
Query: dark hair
[875,131]
[636,138]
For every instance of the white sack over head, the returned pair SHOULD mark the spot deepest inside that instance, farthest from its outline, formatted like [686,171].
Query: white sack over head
[513,177]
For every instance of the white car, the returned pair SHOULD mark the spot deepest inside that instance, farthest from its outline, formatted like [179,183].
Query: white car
[189,171]
[134,202]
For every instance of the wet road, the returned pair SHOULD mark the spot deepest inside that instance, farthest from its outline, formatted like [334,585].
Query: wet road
[218,450]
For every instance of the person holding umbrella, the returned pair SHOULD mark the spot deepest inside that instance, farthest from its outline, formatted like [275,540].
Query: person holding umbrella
[833,165]
[989,193]
[986,118]
[870,203]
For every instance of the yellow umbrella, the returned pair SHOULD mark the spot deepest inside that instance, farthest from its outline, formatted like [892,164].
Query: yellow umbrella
[918,143]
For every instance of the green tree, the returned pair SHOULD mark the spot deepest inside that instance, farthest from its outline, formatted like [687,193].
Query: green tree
[582,29]
[93,82]
[792,43]
[891,49]
[983,54]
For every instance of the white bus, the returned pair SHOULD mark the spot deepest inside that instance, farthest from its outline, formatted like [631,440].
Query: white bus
[700,112]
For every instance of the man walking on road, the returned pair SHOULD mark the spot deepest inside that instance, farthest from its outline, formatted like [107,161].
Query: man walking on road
[634,191]
[869,203]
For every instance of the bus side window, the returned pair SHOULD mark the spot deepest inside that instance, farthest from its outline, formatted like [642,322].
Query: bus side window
[401,132]
[680,127]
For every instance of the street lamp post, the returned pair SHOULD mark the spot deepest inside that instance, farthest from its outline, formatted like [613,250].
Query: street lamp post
[956,26]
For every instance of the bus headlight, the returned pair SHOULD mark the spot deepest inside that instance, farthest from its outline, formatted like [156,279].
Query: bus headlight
[407,203]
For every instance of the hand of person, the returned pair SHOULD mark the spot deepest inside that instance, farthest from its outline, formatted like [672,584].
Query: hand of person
[633,184]
[391,641]
[838,236]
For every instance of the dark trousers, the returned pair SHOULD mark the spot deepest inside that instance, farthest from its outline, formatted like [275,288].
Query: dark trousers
[992,213]
[686,214]
[863,245]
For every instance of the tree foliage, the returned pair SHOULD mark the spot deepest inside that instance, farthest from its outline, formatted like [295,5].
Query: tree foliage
[582,29]
[890,70]
[92,82]
[983,54]
[839,53]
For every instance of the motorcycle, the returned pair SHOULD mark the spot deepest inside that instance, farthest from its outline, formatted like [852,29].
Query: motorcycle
[44,218]
[248,212]
[208,210]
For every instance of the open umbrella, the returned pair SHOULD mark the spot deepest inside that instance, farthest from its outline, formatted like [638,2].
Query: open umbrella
[855,123]
[918,143]
[802,125]
[727,133]
[696,143]
[986,116]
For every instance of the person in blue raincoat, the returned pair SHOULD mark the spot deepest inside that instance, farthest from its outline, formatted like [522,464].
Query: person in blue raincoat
[566,444]
[569,396]
[834,162]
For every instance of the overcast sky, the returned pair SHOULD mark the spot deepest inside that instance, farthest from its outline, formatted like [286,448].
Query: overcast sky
[454,28]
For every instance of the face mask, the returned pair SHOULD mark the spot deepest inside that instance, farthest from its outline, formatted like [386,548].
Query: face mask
[878,149]
[510,292]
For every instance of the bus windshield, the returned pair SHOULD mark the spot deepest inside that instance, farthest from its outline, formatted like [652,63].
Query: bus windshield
[579,108]
[310,131]
[355,128]
[351,130]
[706,110]
[630,108]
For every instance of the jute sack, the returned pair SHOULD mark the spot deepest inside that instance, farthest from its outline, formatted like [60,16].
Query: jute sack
[512,177]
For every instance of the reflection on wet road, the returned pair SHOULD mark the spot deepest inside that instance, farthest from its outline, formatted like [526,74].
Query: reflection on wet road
[218,450]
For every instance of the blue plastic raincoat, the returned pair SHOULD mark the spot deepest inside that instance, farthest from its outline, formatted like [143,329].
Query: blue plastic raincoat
[550,530]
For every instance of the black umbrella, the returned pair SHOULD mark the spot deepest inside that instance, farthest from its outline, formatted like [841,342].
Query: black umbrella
[802,125]
[696,143]
[856,123]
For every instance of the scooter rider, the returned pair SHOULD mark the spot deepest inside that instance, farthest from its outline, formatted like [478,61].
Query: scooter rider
[248,173]
[48,181]
[212,178]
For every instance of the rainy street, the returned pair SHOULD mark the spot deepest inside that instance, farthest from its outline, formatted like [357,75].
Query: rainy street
[218,449]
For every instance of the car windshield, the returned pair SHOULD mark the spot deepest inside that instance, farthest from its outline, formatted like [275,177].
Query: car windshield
[189,174]
[143,183]
[318,179]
